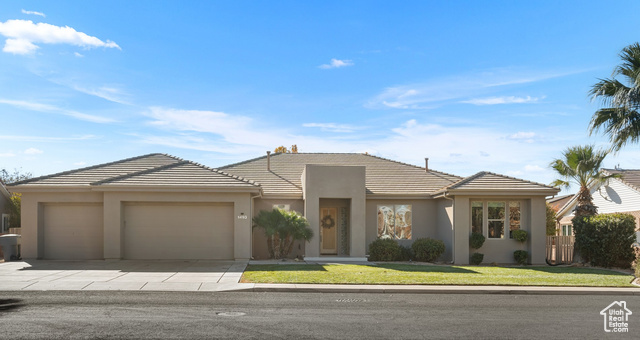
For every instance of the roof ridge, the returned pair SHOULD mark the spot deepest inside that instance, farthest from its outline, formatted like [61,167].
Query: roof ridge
[413,165]
[243,162]
[520,179]
[85,168]
[181,161]
[138,173]
[464,180]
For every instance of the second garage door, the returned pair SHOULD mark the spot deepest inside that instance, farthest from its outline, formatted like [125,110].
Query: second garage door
[185,231]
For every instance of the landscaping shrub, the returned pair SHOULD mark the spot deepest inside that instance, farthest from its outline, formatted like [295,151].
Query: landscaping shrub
[427,249]
[520,235]
[521,256]
[406,254]
[476,258]
[605,240]
[384,250]
[476,240]
[636,268]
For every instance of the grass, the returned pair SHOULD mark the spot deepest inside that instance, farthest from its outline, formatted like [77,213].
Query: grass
[393,273]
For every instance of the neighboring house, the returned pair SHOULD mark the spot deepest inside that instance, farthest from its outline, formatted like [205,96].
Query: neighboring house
[5,198]
[557,203]
[616,195]
[161,207]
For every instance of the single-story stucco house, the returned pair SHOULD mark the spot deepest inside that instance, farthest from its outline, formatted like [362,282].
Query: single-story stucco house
[161,207]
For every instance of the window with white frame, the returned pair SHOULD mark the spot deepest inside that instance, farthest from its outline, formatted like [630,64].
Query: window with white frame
[5,223]
[491,218]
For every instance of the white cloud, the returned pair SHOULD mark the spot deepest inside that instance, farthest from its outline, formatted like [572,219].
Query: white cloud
[533,168]
[32,151]
[33,106]
[7,154]
[502,100]
[111,94]
[33,13]
[332,127]
[336,63]
[434,92]
[22,36]
[78,54]
[15,138]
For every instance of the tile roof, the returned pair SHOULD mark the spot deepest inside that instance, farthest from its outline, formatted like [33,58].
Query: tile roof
[383,176]
[485,181]
[631,177]
[148,170]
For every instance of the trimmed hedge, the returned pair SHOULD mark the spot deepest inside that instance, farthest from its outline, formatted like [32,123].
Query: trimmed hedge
[605,240]
[476,240]
[521,256]
[476,258]
[427,249]
[520,235]
[384,250]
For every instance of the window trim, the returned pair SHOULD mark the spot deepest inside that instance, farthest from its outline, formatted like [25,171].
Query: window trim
[506,220]
[4,227]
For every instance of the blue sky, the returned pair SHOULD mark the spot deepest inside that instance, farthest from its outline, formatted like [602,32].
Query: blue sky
[494,85]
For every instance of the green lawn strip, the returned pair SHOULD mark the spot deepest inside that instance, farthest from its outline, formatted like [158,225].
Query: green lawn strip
[393,273]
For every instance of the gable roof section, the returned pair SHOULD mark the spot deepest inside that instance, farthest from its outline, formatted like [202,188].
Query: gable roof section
[383,176]
[153,170]
[630,177]
[485,181]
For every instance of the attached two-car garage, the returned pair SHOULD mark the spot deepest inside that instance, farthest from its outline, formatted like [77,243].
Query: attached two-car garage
[150,230]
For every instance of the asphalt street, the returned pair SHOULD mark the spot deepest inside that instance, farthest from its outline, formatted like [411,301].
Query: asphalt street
[250,315]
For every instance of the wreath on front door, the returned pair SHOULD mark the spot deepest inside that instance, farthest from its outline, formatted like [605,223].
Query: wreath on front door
[328,222]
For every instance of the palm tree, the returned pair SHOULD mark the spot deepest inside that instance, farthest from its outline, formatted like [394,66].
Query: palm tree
[620,120]
[581,165]
[282,229]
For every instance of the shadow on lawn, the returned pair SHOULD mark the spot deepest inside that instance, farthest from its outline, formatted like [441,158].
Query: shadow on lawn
[285,268]
[574,270]
[425,269]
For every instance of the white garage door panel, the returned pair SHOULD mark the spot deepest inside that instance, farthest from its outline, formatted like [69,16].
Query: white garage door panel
[73,232]
[174,231]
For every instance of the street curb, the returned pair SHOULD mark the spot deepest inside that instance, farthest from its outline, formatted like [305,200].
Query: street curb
[504,290]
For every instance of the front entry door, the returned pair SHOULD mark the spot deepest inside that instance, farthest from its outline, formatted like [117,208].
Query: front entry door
[328,231]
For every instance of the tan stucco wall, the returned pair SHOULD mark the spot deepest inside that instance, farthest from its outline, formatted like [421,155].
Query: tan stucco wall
[259,245]
[444,209]
[424,218]
[344,182]
[33,221]
[501,250]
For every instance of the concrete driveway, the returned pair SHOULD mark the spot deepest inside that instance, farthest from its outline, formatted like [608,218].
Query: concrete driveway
[122,275]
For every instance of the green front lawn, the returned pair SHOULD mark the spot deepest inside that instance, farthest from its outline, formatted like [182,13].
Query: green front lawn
[392,273]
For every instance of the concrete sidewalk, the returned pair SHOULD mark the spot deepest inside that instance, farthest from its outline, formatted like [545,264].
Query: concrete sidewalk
[218,276]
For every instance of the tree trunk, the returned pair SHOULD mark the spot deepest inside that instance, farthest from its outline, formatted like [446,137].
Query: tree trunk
[270,246]
[585,205]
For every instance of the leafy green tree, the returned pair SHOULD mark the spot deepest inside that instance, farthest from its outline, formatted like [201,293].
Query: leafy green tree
[619,119]
[282,229]
[15,200]
[581,165]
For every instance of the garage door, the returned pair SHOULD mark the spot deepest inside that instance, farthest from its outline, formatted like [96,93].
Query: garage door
[171,231]
[73,232]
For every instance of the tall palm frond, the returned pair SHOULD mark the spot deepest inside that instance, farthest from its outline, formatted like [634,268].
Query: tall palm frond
[620,120]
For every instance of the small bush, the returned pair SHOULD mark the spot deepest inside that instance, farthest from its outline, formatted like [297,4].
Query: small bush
[476,240]
[384,250]
[427,249]
[520,235]
[521,256]
[476,258]
[406,254]
[605,240]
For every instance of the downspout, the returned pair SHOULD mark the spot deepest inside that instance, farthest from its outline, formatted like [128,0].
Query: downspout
[251,220]
[453,229]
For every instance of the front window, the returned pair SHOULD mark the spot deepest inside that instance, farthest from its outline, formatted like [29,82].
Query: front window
[495,219]
[4,224]
[395,221]
[514,217]
[476,217]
